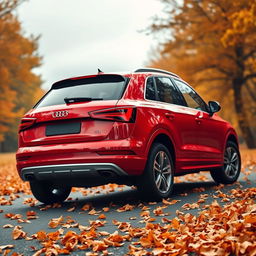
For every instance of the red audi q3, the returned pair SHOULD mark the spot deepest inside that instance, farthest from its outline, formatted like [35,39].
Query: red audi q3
[137,128]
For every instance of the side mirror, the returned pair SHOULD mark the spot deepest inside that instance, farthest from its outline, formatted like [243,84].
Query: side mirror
[214,106]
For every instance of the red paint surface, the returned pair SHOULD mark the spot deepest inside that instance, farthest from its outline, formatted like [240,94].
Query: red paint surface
[198,138]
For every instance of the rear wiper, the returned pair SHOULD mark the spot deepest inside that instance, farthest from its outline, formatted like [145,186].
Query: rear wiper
[80,99]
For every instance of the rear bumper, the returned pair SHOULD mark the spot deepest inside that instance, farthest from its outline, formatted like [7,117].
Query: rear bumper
[85,154]
[71,171]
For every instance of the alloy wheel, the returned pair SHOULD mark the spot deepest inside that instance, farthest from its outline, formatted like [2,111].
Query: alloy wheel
[162,172]
[231,162]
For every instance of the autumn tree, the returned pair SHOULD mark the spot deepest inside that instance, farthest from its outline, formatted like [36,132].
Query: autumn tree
[18,82]
[7,6]
[211,43]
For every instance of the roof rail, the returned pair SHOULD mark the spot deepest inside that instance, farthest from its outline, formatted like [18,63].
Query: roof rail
[155,70]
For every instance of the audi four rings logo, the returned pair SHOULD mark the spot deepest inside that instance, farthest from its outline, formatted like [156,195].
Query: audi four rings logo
[60,114]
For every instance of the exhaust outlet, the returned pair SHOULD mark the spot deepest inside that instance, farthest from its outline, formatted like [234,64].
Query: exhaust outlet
[107,173]
[29,177]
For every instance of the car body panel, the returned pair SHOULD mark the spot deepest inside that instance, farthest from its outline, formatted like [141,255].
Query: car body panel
[78,112]
[198,138]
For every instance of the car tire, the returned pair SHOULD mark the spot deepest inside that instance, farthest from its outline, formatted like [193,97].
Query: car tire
[231,168]
[157,180]
[48,193]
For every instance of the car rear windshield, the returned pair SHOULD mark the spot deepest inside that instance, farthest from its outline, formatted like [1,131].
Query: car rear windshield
[103,87]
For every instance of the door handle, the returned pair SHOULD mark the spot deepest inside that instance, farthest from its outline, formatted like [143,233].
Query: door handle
[199,117]
[198,120]
[170,116]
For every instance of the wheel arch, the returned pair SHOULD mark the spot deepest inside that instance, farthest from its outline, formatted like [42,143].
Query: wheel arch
[163,137]
[232,136]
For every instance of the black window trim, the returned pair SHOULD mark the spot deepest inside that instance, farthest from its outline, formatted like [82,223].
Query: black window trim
[180,80]
[35,106]
[180,93]
[145,88]
[156,94]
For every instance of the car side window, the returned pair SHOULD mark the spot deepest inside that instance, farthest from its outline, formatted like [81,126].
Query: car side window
[192,99]
[150,89]
[167,92]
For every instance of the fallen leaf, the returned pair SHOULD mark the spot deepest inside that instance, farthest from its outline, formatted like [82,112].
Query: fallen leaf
[7,246]
[7,226]
[71,209]
[55,222]
[18,233]
[102,216]
[170,202]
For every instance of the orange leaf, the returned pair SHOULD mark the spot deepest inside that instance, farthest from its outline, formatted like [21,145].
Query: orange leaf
[103,233]
[41,236]
[250,219]
[71,209]
[54,236]
[31,213]
[144,213]
[175,223]
[115,237]
[99,246]
[86,207]
[170,202]
[93,212]
[7,226]
[102,216]
[18,233]
[53,223]
[7,246]
[125,208]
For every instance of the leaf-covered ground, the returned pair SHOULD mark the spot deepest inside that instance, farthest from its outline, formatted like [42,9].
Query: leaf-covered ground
[200,218]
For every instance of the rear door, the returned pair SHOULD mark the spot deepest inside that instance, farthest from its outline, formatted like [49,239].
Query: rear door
[179,118]
[208,130]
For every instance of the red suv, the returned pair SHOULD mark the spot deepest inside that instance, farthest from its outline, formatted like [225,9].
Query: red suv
[141,128]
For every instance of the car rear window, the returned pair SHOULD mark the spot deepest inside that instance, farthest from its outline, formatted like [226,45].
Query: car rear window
[106,87]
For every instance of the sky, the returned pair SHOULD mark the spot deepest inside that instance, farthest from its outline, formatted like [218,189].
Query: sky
[80,36]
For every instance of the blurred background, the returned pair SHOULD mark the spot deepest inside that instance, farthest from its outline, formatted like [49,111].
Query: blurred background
[210,43]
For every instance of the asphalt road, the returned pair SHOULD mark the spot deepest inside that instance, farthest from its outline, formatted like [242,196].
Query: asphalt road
[114,200]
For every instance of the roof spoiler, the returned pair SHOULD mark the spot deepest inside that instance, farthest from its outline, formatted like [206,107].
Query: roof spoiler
[99,78]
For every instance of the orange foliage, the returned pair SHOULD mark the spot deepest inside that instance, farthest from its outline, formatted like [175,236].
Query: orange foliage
[211,44]
[18,84]
[243,22]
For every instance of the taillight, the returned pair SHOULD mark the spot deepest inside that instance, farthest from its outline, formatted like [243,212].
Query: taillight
[120,114]
[26,122]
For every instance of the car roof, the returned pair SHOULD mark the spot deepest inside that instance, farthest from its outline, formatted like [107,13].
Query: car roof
[147,71]
[155,70]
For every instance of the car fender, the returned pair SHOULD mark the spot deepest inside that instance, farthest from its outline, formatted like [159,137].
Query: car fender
[155,133]
[232,132]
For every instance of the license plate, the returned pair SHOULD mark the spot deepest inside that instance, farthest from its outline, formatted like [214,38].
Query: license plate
[63,128]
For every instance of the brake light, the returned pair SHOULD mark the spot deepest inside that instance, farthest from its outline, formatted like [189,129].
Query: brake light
[26,122]
[119,114]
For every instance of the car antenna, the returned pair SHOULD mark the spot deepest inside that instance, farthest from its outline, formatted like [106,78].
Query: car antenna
[99,71]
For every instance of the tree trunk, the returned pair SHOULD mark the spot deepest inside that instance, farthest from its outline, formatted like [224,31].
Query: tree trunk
[243,121]
[250,90]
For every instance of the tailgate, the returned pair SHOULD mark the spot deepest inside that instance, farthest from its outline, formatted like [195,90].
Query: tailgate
[67,123]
